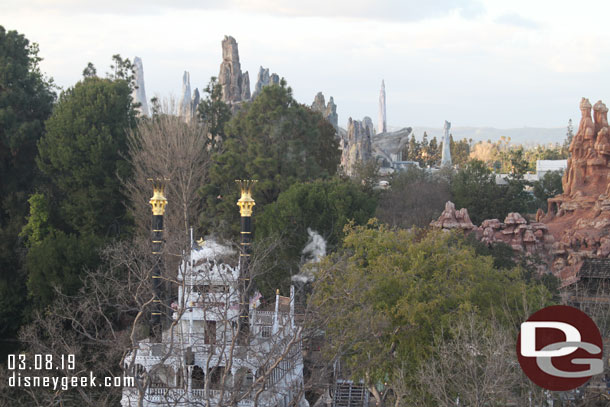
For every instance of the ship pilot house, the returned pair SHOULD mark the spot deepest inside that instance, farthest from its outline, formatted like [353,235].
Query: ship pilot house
[219,348]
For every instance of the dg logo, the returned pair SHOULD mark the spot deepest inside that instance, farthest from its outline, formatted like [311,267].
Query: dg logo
[559,348]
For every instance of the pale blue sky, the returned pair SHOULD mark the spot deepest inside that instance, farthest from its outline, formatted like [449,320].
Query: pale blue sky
[476,63]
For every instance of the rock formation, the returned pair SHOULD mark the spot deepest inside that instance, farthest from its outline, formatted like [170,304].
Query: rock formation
[264,79]
[523,237]
[453,219]
[245,86]
[356,145]
[184,107]
[235,84]
[446,154]
[331,113]
[139,93]
[579,218]
[195,103]
[319,104]
[328,111]
[381,123]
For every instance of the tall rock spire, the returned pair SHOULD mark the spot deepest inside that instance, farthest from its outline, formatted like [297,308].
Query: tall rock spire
[381,124]
[235,84]
[446,157]
[184,109]
[139,93]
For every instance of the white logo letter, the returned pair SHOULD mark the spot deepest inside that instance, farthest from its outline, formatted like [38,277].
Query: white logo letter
[528,338]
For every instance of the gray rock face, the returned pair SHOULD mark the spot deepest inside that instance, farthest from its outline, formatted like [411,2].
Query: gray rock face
[185,108]
[388,146]
[331,113]
[264,79]
[139,93]
[381,123]
[319,104]
[446,154]
[356,145]
[235,85]
[328,111]
[195,103]
[245,86]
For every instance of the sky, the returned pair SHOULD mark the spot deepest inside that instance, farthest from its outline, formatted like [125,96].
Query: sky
[502,64]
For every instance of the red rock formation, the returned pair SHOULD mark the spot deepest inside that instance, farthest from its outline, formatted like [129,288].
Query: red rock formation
[526,238]
[454,219]
[579,218]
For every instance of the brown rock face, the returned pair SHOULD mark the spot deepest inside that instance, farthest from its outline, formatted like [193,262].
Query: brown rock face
[526,238]
[454,219]
[579,219]
[235,85]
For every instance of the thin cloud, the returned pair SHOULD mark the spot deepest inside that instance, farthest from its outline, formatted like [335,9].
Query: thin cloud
[388,10]
[517,21]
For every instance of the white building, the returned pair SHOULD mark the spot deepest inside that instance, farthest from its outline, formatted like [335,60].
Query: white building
[206,357]
[544,166]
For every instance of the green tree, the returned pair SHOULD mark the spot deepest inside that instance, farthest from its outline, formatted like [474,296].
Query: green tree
[26,100]
[58,262]
[275,140]
[569,136]
[389,293]
[474,187]
[460,151]
[547,187]
[214,112]
[324,206]
[83,155]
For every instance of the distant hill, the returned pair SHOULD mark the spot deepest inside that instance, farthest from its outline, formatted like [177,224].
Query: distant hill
[525,135]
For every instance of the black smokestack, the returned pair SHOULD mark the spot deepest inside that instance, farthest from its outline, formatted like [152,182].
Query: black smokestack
[158,203]
[245,203]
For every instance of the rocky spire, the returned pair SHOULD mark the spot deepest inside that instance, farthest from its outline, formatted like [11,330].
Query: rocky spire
[139,93]
[319,104]
[195,103]
[184,108]
[245,86]
[328,111]
[446,156]
[331,113]
[357,144]
[381,124]
[264,79]
[235,85]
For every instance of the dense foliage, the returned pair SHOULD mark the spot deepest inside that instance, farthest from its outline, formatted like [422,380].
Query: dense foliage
[397,289]
[275,140]
[26,99]
[474,187]
[321,206]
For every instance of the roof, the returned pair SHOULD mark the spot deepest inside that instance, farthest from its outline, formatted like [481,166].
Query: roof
[551,165]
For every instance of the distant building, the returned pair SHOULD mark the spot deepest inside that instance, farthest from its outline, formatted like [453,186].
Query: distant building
[544,166]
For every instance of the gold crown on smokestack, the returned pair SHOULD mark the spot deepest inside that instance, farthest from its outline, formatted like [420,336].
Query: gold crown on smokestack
[246,203]
[158,200]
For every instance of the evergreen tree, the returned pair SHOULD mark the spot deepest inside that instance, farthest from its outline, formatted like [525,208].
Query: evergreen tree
[323,206]
[83,155]
[213,112]
[272,139]
[26,100]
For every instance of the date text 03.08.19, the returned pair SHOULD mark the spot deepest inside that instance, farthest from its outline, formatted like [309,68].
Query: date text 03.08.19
[37,361]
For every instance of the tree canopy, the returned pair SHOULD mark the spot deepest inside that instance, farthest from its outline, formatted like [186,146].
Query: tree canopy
[323,206]
[275,140]
[83,154]
[385,296]
[26,100]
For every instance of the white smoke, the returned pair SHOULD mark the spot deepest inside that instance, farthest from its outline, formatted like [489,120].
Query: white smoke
[313,252]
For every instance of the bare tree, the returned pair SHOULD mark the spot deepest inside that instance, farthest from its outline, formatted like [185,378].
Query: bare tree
[166,147]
